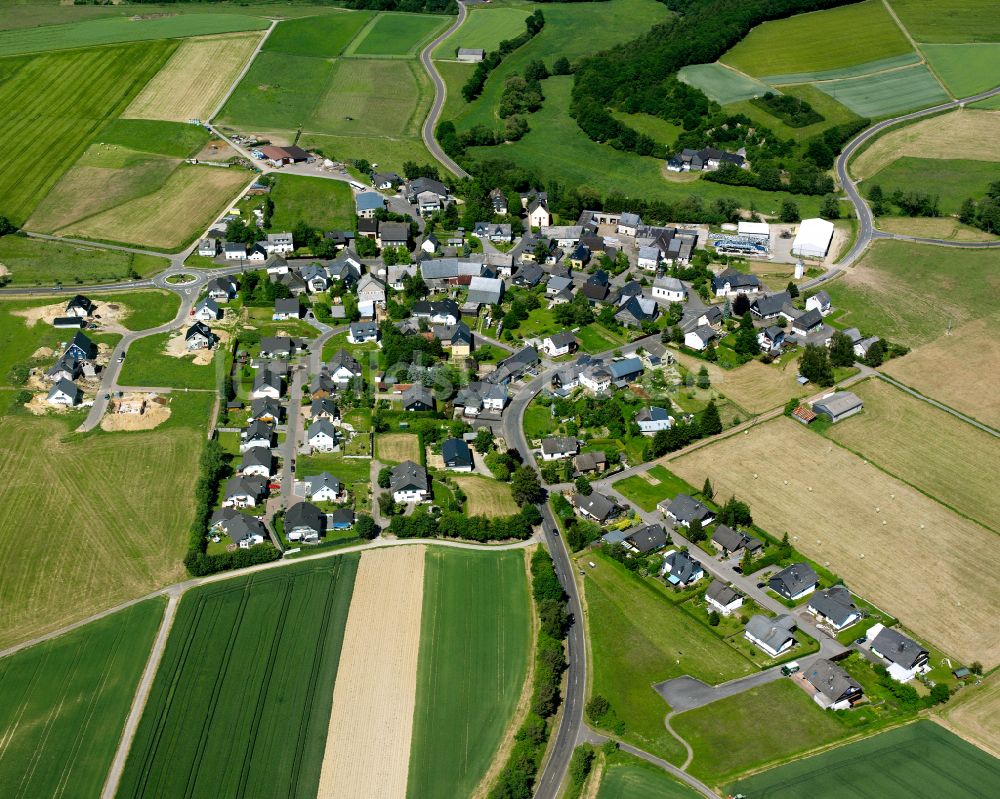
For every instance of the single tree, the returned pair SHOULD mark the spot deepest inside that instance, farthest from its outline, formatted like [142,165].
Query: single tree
[583,486]
[384,477]
[746,562]
[707,490]
[841,349]
[709,422]
[814,365]
[789,212]
[365,527]
[484,440]
[876,354]
[713,618]
[525,487]
[792,289]
[597,708]
[703,380]
[695,531]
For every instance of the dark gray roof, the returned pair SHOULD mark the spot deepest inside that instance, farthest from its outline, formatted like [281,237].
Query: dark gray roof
[727,538]
[279,344]
[685,508]
[323,480]
[770,305]
[408,476]
[241,527]
[898,648]
[250,485]
[835,603]
[682,566]
[735,279]
[808,320]
[722,593]
[773,632]
[559,445]
[321,427]
[343,358]
[647,537]
[305,514]
[417,394]
[793,580]
[257,457]
[287,305]
[597,505]
[456,452]
[258,429]
[564,339]
[831,680]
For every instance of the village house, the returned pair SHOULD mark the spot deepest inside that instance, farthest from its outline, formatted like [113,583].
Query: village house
[362,332]
[304,522]
[199,337]
[66,368]
[371,289]
[497,232]
[478,397]
[483,291]
[244,531]
[652,419]
[863,345]
[367,203]
[645,538]
[680,569]
[514,367]
[706,159]
[343,368]
[729,282]
[65,394]
[207,310]
[209,247]
[684,509]
[834,607]
[279,243]
[386,181]
[771,339]
[729,541]
[276,347]
[267,383]
[280,156]
[595,507]
[322,436]
[559,344]
[554,449]
[258,462]
[428,194]
[418,398]
[244,491]
[769,306]
[794,582]
[324,487]
[409,483]
[81,348]
[324,408]
[807,323]
[457,339]
[286,308]
[669,289]
[257,434]
[774,636]
[835,688]
[589,462]
[699,338]
[457,455]
[235,250]
[498,200]
[905,658]
[80,306]
[820,301]
[723,598]
[266,409]
[538,213]
[393,234]
[440,312]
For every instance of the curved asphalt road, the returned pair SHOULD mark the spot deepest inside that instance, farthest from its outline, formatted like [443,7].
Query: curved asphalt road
[440,94]
[867,231]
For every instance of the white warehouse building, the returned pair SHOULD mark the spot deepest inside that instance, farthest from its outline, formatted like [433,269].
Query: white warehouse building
[813,238]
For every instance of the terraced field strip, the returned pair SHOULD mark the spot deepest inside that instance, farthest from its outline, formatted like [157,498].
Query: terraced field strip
[63,703]
[371,721]
[71,95]
[475,643]
[242,698]
[857,71]
[723,84]
[195,79]
[885,94]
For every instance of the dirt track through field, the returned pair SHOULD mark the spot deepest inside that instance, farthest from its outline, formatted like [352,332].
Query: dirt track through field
[371,722]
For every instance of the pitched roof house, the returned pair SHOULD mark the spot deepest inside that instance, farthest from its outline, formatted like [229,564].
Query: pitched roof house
[457,455]
[409,483]
[595,506]
[906,658]
[834,606]
[304,522]
[681,569]
[558,448]
[645,538]
[684,509]
[774,636]
[795,581]
[835,688]
[324,487]
[723,598]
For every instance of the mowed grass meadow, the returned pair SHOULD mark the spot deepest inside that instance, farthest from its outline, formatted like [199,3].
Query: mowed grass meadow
[323,37]
[64,704]
[71,95]
[475,645]
[242,698]
[951,180]
[397,34]
[829,39]
[627,777]
[920,759]
[326,204]
[111,512]
[37,262]
[484,28]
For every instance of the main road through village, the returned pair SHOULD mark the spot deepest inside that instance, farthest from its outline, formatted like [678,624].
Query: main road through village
[572,729]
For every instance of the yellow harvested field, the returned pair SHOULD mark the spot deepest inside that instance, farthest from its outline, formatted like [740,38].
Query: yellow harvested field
[170,217]
[371,722]
[879,534]
[959,370]
[974,132]
[755,387]
[941,227]
[397,447]
[487,497]
[956,464]
[195,79]
[973,714]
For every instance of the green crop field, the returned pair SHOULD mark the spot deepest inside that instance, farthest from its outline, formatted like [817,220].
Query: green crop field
[879,299]
[389,152]
[472,666]
[326,204]
[36,262]
[148,365]
[175,139]
[64,703]
[833,113]
[966,69]
[856,71]
[398,34]
[105,551]
[242,698]
[920,759]
[556,149]
[750,729]
[72,94]
[638,638]
[887,93]
[837,37]
[484,28]
[122,29]
[951,21]
[722,84]
[951,180]
[325,36]
[627,777]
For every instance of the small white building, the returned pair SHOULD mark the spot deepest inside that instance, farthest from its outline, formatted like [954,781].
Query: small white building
[699,338]
[470,55]
[669,289]
[235,251]
[653,419]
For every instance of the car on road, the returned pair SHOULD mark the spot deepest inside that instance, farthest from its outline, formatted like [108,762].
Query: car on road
[761,585]
[121,357]
[107,396]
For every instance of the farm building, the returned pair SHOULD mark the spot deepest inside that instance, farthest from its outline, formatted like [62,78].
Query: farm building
[470,55]
[759,231]
[838,405]
[285,155]
[813,239]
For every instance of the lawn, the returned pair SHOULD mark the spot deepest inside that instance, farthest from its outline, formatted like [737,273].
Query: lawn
[957,369]
[646,494]
[387,151]
[173,215]
[65,702]
[830,39]
[324,204]
[398,34]
[627,777]
[538,421]
[349,470]
[920,759]
[487,497]
[965,69]
[242,698]
[174,139]
[889,93]
[955,466]
[722,84]
[951,180]
[949,20]
[638,638]
[36,262]
[391,448]
[596,338]
[878,296]
[556,149]
[146,309]
[323,37]
[485,28]
[473,663]
[73,94]
[124,485]
[195,79]
[767,723]
[123,29]
[886,516]
[148,365]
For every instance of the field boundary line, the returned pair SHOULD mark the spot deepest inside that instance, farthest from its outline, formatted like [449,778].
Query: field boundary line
[940,405]
[357,38]
[142,692]
[242,73]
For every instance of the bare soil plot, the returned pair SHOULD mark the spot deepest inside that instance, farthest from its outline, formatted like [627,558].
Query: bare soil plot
[973,714]
[487,497]
[975,131]
[959,370]
[170,217]
[195,78]
[756,387]
[397,447]
[939,454]
[135,412]
[877,533]
[371,722]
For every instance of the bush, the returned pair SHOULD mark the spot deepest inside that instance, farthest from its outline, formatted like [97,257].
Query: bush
[597,708]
